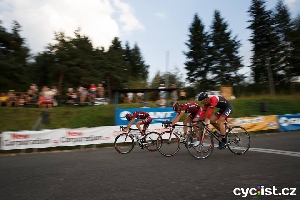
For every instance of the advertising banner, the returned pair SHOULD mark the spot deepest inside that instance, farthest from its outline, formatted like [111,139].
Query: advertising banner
[158,114]
[289,122]
[63,137]
[256,123]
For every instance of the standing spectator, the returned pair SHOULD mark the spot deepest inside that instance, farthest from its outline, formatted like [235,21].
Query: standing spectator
[71,96]
[92,92]
[41,97]
[162,93]
[140,97]
[35,88]
[55,92]
[83,95]
[100,91]
[130,97]
[161,102]
[48,98]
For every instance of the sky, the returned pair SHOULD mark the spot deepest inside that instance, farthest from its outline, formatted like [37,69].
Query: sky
[160,28]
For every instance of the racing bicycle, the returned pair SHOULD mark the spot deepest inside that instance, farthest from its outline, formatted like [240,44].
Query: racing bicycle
[125,141]
[237,137]
[169,142]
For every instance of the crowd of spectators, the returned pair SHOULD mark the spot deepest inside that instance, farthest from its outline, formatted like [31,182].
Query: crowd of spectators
[48,97]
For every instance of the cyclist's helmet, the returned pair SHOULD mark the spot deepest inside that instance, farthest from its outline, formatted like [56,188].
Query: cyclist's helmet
[128,116]
[175,106]
[202,96]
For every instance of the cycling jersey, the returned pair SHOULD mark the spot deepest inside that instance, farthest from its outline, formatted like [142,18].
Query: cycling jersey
[192,108]
[146,119]
[218,102]
[140,115]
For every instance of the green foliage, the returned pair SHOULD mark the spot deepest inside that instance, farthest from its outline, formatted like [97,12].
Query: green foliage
[224,51]
[14,56]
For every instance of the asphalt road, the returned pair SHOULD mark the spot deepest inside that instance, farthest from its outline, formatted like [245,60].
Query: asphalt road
[273,162]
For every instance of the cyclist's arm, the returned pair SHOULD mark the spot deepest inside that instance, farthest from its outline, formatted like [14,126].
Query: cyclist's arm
[177,118]
[203,112]
[129,125]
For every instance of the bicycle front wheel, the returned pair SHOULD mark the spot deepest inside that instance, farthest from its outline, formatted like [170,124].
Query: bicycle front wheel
[151,139]
[124,143]
[238,140]
[204,148]
[168,144]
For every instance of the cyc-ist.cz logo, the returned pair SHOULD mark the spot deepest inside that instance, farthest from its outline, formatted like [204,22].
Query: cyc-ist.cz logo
[262,190]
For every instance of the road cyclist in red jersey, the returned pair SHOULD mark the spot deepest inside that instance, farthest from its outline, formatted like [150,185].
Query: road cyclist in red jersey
[220,117]
[193,109]
[144,118]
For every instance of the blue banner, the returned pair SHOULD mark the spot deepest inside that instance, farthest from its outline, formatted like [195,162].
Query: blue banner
[158,114]
[289,122]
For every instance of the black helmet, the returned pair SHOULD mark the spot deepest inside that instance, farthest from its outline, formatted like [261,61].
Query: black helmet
[202,96]
[128,116]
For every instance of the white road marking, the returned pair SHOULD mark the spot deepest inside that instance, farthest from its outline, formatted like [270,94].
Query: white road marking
[281,152]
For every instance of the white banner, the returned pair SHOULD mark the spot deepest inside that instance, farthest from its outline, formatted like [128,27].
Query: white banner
[62,137]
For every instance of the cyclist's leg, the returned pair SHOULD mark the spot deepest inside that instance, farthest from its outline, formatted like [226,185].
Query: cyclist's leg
[195,124]
[187,120]
[138,125]
[146,123]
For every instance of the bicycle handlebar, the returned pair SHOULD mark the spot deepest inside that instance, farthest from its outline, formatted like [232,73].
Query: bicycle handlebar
[133,129]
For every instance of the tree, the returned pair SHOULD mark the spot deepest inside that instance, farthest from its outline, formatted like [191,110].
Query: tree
[138,70]
[283,70]
[223,49]
[295,43]
[263,40]
[14,57]
[197,63]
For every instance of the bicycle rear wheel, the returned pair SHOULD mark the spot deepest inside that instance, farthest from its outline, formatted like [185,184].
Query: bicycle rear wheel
[204,148]
[168,144]
[151,139]
[124,143]
[238,140]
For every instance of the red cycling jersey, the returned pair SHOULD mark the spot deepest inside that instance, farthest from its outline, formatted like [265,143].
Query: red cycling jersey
[146,119]
[140,115]
[218,102]
[190,107]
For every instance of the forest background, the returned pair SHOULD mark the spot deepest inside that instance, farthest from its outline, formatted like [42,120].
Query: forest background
[212,59]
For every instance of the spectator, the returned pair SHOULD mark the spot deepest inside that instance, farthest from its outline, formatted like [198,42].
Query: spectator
[92,92]
[55,93]
[100,91]
[130,97]
[3,99]
[48,97]
[162,93]
[11,98]
[41,98]
[71,96]
[35,88]
[30,96]
[83,95]
[161,102]
[21,99]
[140,97]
